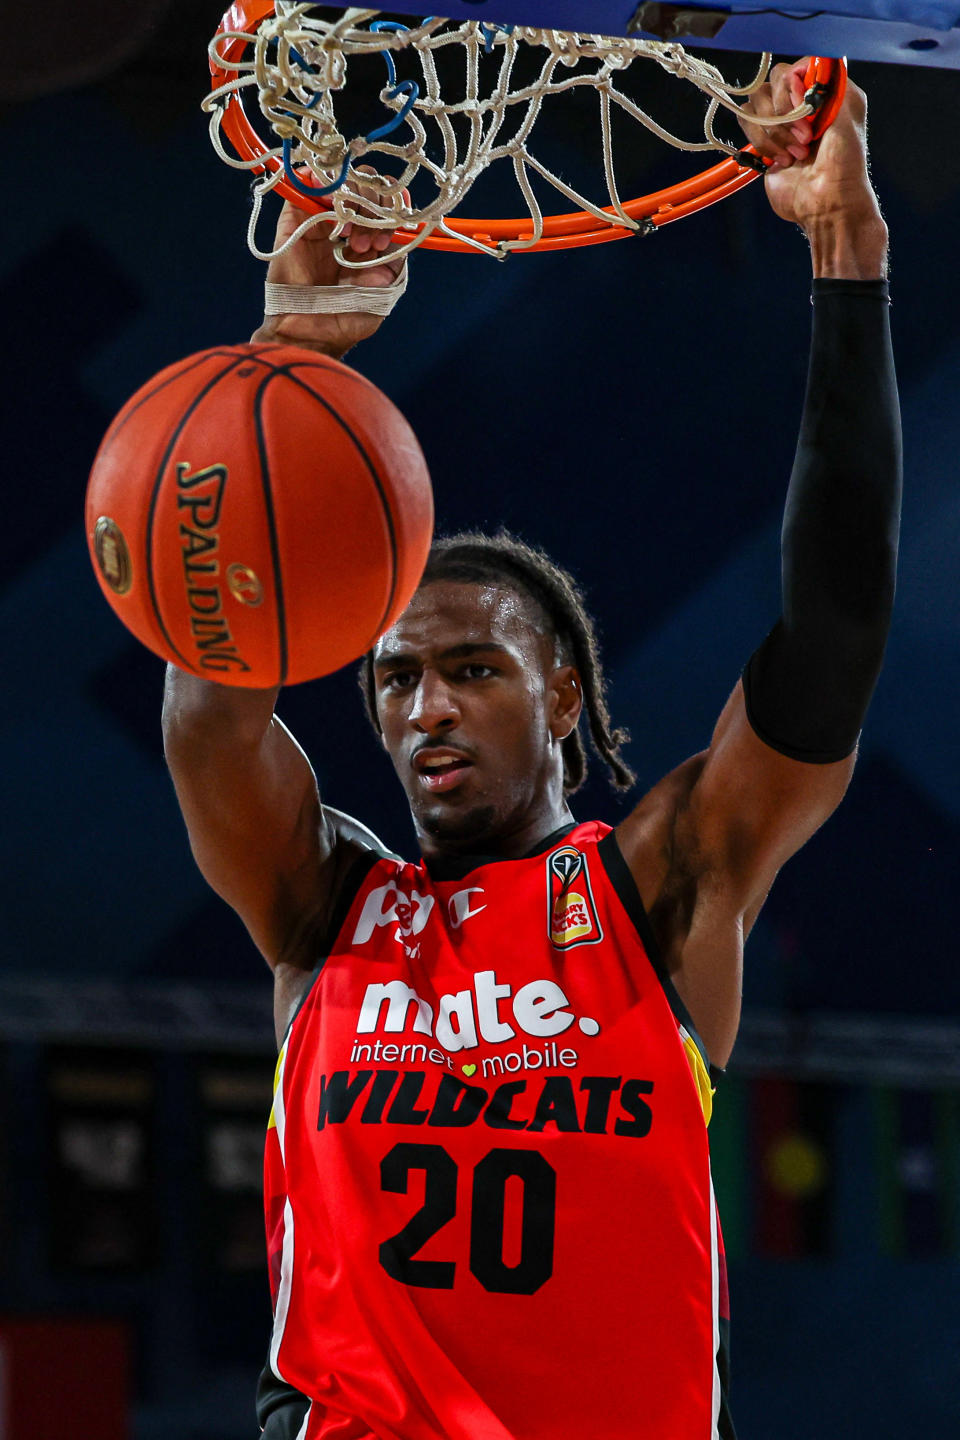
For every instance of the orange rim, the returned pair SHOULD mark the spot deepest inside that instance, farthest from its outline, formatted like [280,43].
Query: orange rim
[827,76]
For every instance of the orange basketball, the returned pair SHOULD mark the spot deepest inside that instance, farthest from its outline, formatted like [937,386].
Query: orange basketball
[259,514]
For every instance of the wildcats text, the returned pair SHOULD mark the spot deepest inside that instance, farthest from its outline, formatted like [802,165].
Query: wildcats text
[599,1105]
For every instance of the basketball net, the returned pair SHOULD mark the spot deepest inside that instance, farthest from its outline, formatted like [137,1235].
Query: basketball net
[297,61]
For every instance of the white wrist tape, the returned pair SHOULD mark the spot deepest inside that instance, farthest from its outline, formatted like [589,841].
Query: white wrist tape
[333,299]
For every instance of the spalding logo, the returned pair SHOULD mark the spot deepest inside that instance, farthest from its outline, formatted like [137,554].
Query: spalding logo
[571,913]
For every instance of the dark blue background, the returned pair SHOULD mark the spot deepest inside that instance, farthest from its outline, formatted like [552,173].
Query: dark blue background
[631,408]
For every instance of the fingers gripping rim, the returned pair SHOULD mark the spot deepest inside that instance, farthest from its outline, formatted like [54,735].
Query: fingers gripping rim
[825,85]
[825,82]
[829,78]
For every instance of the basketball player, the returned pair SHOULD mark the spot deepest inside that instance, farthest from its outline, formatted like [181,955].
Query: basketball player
[489,1206]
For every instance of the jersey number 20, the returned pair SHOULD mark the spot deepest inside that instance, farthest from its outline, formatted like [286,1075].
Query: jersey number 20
[487,1215]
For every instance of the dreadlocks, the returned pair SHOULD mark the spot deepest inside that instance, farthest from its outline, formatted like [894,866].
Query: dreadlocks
[504,560]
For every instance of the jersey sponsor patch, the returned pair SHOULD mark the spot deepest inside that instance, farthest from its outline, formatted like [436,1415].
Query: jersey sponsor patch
[571,913]
[390,905]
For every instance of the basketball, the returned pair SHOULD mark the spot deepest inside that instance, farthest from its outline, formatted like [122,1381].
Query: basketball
[259,514]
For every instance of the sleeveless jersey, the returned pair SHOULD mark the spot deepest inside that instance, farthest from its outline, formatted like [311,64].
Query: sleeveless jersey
[488,1196]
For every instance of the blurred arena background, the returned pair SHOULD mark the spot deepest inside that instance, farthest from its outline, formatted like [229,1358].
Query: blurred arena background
[632,408]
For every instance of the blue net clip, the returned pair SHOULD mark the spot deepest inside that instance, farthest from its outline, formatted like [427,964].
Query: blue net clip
[409,88]
[489,31]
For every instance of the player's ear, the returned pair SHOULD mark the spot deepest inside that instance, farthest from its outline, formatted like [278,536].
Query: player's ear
[566,701]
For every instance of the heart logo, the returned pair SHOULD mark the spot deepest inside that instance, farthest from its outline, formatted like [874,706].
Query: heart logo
[469,1070]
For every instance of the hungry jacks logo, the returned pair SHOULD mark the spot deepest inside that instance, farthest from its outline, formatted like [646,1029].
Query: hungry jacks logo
[571,913]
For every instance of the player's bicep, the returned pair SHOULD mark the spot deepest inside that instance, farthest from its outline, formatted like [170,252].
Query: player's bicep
[752,807]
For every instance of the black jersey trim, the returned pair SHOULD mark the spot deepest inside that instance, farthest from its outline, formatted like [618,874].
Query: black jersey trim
[458,867]
[725,1420]
[281,1410]
[618,873]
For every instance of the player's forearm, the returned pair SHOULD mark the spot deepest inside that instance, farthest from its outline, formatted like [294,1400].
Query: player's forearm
[809,684]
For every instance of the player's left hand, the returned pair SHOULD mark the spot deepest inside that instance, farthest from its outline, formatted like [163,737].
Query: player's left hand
[811,182]
[313,261]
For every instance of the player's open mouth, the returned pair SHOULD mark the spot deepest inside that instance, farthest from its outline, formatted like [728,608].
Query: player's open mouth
[440,769]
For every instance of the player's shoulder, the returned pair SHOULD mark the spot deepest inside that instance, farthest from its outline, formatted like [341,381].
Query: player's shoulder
[349,850]
[647,835]
[352,836]
[352,852]
[667,795]
[355,852]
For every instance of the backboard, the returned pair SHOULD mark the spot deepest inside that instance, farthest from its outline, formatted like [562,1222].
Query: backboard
[911,32]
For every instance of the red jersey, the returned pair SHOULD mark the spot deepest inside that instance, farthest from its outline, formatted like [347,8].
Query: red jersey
[489,1206]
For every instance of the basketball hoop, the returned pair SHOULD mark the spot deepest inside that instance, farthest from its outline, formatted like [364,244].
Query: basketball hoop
[297,62]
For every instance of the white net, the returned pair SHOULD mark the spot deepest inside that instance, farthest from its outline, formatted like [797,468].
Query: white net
[297,62]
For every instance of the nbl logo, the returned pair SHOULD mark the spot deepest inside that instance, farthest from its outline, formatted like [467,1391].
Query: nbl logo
[571,913]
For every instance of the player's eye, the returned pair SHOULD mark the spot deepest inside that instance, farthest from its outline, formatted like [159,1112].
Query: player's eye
[476,670]
[397,680]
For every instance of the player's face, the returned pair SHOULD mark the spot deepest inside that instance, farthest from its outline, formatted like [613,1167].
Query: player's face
[472,710]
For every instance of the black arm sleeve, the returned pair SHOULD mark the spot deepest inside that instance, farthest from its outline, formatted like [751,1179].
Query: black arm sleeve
[808,686]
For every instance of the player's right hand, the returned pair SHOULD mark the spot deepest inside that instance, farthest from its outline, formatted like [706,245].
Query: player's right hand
[313,261]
